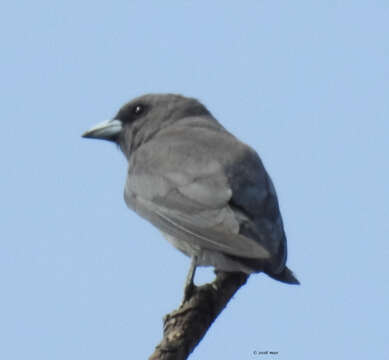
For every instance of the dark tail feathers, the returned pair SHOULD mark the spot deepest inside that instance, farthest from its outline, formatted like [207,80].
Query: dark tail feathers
[285,276]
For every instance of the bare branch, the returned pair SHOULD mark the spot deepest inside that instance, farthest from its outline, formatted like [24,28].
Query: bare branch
[185,327]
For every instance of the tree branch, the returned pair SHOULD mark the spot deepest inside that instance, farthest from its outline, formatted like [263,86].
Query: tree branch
[185,327]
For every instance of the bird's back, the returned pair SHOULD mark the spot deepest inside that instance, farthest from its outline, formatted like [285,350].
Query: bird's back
[215,173]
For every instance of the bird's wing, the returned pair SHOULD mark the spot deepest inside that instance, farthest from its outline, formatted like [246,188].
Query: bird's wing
[183,189]
[255,198]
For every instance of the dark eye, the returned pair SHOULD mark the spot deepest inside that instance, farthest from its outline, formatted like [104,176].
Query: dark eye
[138,109]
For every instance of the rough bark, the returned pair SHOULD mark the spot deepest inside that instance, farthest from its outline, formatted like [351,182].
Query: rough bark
[185,327]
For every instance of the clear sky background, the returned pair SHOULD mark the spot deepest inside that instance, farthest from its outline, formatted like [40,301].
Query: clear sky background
[306,83]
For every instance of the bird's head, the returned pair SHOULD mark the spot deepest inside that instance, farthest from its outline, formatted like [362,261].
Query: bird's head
[140,119]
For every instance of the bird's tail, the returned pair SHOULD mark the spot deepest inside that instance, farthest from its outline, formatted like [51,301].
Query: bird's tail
[285,276]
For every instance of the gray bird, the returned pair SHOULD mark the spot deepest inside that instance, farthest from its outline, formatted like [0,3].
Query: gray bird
[206,191]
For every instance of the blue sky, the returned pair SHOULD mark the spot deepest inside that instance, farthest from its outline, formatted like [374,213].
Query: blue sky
[305,83]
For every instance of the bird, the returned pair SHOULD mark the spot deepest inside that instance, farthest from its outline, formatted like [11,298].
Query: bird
[204,189]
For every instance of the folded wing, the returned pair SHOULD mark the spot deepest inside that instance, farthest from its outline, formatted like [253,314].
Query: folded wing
[183,191]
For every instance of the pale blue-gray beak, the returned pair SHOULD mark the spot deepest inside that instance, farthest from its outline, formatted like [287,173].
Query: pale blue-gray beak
[106,130]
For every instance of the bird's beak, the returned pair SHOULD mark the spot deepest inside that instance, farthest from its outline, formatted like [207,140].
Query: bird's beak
[106,130]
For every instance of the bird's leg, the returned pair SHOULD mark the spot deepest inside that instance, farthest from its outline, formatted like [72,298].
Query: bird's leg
[189,286]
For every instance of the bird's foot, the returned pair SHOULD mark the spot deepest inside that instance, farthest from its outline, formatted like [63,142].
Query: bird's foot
[188,292]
